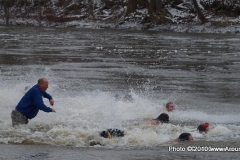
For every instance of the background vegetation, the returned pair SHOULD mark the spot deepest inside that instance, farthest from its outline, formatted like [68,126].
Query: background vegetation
[118,11]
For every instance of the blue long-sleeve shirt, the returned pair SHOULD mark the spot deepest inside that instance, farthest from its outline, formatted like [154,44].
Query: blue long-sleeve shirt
[32,102]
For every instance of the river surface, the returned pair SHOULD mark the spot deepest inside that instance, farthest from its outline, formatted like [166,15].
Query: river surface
[104,78]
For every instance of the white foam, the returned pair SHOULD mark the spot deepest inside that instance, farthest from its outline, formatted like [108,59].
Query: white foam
[79,119]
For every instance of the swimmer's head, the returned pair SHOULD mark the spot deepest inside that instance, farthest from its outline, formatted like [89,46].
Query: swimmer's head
[163,118]
[203,127]
[185,137]
[170,106]
[104,134]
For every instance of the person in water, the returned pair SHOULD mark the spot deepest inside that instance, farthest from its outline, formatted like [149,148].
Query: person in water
[203,127]
[162,118]
[185,137]
[110,133]
[170,106]
[31,103]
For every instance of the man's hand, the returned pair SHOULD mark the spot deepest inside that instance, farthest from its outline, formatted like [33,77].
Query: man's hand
[51,102]
[53,110]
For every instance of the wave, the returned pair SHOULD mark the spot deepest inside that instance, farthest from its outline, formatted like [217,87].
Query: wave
[80,118]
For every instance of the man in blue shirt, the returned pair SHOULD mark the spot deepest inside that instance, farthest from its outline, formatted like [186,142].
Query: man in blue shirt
[31,103]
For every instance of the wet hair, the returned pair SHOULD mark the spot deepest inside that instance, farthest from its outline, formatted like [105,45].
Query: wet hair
[163,118]
[203,127]
[104,134]
[184,137]
[109,133]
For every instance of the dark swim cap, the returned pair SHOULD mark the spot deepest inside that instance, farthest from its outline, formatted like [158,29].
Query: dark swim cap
[104,134]
[109,133]
[203,127]
[116,132]
[184,137]
[164,118]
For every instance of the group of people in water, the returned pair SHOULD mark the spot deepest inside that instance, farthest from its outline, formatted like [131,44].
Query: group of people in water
[162,118]
[30,104]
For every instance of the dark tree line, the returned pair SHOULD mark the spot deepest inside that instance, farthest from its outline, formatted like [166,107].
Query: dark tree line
[7,4]
[155,8]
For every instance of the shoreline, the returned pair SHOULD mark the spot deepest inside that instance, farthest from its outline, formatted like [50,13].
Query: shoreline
[175,28]
[177,16]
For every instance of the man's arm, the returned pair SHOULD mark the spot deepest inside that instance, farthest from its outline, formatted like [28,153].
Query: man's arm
[49,97]
[38,102]
[51,102]
[46,95]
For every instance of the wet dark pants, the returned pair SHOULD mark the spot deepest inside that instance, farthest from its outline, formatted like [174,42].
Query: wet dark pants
[18,118]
